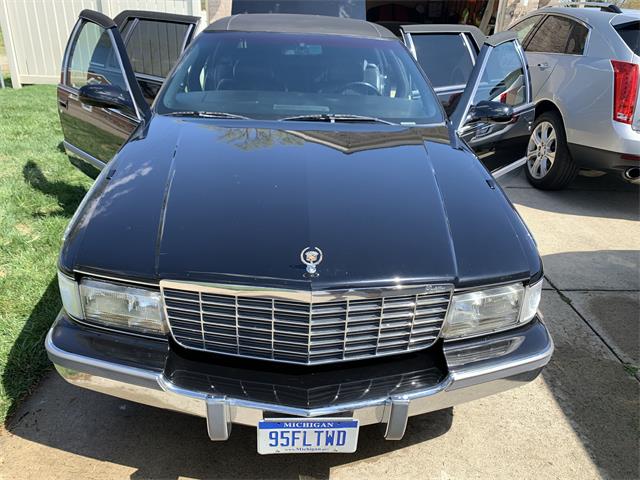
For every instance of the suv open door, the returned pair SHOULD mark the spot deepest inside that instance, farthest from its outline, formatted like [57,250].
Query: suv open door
[496,77]
[129,58]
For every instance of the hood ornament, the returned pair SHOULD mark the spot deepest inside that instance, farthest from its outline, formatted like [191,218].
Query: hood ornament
[311,257]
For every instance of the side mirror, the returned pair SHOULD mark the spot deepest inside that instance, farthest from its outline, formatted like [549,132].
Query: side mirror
[105,96]
[487,111]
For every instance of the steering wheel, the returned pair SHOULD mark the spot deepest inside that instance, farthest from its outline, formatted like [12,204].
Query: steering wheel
[362,88]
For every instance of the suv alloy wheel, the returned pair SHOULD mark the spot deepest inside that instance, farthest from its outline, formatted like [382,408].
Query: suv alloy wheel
[549,162]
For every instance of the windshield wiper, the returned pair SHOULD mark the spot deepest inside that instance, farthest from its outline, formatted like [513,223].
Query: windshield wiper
[197,113]
[335,117]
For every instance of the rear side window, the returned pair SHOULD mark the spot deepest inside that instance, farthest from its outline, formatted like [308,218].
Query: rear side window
[577,39]
[154,46]
[445,58]
[630,33]
[552,36]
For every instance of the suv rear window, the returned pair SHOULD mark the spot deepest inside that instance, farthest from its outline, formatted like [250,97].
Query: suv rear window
[630,33]
[445,58]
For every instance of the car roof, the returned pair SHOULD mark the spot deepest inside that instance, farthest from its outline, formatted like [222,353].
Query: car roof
[592,16]
[295,23]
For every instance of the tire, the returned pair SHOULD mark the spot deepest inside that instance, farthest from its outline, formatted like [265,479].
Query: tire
[549,163]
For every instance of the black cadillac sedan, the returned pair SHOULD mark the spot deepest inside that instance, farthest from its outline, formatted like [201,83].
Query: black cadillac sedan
[288,232]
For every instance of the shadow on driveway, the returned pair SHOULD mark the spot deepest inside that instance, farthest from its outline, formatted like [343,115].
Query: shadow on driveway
[605,197]
[598,395]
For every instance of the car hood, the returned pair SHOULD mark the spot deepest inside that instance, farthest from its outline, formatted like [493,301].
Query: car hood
[211,201]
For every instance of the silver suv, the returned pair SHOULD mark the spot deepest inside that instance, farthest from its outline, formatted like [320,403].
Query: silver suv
[585,68]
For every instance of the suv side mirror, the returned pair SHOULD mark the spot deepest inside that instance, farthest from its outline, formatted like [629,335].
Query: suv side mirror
[487,111]
[105,96]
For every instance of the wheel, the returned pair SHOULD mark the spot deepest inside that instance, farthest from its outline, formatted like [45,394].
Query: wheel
[549,162]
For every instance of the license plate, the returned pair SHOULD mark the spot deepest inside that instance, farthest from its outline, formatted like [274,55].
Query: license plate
[307,435]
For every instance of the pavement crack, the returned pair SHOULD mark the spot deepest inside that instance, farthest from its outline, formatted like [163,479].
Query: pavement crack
[628,368]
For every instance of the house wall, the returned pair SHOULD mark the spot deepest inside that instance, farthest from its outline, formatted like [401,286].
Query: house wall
[35,32]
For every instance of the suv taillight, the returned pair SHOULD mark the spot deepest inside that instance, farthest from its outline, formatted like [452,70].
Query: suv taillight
[625,90]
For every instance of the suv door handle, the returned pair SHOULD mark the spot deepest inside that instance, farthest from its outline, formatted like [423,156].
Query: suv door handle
[543,66]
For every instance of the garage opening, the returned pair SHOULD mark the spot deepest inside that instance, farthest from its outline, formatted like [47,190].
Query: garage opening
[391,14]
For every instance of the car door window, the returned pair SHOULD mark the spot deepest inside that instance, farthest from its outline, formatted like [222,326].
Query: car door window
[552,36]
[445,58]
[523,28]
[499,77]
[154,46]
[503,79]
[93,60]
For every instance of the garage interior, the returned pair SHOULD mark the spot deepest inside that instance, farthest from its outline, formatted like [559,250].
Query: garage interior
[391,14]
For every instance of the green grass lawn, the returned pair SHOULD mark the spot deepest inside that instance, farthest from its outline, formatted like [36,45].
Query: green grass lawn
[39,191]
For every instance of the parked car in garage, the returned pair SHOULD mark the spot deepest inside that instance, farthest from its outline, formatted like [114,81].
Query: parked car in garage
[293,235]
[585,70]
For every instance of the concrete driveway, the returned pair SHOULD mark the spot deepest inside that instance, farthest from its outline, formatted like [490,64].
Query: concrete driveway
[579,419]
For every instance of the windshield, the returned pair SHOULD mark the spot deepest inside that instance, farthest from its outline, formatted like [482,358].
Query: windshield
[275,76]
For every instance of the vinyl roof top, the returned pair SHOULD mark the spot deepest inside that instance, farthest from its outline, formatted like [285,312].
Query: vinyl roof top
[294,23]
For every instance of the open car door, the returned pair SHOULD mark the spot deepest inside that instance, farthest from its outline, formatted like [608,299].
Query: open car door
[97,62]
[495,111]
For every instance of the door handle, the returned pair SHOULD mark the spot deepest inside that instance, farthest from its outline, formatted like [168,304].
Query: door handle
[543,65]
[86,107]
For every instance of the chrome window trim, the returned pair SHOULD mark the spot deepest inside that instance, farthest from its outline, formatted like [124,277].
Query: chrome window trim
[67,53]
[408,40]
[186,40]
[124,74]
[145,76]
[450,88]
[83,155]
[470,49]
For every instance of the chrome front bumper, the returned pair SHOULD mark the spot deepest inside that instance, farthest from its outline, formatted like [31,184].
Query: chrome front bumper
[476,368]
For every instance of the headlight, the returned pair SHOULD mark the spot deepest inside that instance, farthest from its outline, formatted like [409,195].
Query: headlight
[125,307]
[112,305]
[491,310]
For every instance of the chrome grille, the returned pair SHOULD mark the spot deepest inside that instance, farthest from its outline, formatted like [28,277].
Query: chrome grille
[301,327]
